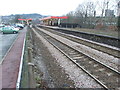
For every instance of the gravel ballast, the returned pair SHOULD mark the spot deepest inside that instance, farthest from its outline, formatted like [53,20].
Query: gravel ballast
[100,56]
[62,71]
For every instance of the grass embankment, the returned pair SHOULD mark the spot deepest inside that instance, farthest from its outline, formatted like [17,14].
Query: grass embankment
[112,33]
[25,78]
[31,77]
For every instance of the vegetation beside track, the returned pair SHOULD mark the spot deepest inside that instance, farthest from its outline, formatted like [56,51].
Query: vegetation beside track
[31,77]
[25,78]
[112,33]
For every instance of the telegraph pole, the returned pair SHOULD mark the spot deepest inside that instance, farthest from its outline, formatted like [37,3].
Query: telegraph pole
[107,4]
[118,16]
[106,17]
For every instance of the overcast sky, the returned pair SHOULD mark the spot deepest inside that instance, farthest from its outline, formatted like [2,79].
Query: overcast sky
[44,7]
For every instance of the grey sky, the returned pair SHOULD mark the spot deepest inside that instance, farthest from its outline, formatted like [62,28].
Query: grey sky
[44,7]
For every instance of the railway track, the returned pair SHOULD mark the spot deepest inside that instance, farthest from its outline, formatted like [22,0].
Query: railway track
[103,39]
[101,73]
[113,51]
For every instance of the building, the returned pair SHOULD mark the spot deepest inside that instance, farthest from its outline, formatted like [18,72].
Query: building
[109,13]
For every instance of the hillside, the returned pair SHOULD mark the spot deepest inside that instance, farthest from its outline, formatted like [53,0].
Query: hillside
[9,18]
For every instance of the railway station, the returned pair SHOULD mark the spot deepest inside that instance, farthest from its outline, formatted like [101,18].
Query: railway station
[58,21]
[26,21]
[52,20]
[44,56]
[66,44]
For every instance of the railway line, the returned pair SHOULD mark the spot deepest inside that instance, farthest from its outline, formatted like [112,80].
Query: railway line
[105,53]
[104,39]
[106,76]
[111,50]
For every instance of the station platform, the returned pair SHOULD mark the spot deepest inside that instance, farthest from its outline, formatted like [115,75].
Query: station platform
[9,68]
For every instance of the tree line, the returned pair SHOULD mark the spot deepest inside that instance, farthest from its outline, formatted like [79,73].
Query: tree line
[93,14]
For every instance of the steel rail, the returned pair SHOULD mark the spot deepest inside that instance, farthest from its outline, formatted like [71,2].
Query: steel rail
[103,38]
[113,51]
[98,81]
[89,56]
[110,68]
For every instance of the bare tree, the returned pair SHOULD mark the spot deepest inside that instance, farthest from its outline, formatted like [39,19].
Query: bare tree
[16,18]
[102,5]
[80,12]
[71,17]
[85,12]
[86,9]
